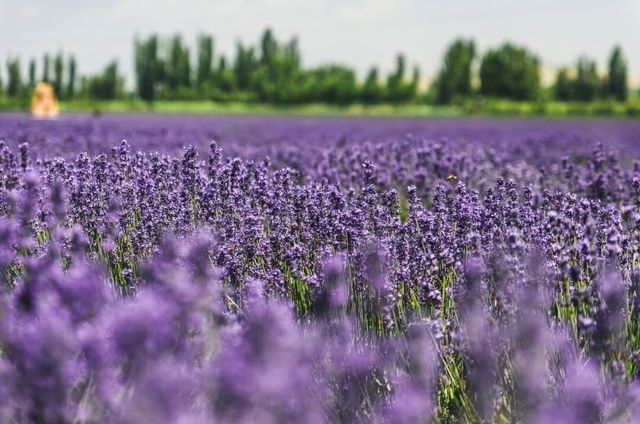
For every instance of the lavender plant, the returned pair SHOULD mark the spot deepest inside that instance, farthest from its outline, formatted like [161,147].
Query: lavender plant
[385,278]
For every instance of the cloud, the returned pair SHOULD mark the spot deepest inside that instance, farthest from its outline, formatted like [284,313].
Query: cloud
[371,12]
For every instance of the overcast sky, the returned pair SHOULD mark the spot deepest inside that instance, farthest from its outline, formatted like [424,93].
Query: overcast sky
[359,33]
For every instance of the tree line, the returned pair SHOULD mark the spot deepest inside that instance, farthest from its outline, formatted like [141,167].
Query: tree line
[61,72]
[272,72]
[513,72]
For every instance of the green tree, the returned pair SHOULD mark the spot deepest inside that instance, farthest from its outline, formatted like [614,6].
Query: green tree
[587,83]
[395,80]
[107,85]
[454,79]
[617,75]
[32,73]
[244,66]
[71,83]
[14,80]
[178,68]
[330,84]
[563,87]
[269,48]
[147,67]
[205,59]
[398,90]
[224,76]
[412,88]
[510,72]
[45,68]
[58,69]
[371,91]
[279,78]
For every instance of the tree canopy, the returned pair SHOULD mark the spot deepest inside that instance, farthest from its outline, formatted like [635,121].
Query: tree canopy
[510,72]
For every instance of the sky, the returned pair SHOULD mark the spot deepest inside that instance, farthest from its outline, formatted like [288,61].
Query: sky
[358,33]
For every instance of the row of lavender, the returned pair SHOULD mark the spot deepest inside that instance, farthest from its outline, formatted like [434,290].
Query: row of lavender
[399,281]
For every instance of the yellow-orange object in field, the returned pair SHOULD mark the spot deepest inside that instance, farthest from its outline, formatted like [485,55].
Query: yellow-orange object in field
[44,103]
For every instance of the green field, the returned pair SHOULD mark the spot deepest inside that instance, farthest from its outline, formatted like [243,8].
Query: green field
[209,107]
[474,107]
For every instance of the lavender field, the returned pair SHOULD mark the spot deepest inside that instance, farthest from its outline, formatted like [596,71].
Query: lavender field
[311,270]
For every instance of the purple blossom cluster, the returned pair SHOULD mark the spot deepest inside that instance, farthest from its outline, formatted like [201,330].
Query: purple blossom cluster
[378,278]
